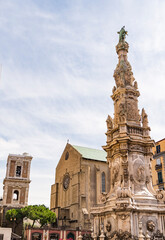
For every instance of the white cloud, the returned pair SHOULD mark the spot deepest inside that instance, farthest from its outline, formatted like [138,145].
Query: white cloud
[57,75]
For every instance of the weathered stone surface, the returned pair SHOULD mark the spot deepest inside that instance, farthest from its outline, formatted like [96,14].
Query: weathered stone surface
[132,198]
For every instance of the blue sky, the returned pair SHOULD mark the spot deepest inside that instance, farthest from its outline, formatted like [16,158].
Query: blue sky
[57,61]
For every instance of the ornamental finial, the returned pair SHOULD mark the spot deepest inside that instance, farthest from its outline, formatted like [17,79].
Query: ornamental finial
[122,34]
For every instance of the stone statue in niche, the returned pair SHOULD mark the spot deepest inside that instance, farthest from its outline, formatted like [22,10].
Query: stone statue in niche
[109,122]
[150,225]
[140,173]
[108,226]
[115,173]
[122,112]
[144,118]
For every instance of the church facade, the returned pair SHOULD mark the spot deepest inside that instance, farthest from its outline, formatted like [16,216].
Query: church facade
[82,179]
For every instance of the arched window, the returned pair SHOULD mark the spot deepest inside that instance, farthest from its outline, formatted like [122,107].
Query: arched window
[103,181]
[18,171]
[15,195]
[70,236]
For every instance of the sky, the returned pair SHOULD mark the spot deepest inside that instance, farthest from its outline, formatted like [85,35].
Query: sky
[57,60]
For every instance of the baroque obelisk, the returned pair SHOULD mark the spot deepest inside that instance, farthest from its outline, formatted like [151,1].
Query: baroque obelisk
[132,198]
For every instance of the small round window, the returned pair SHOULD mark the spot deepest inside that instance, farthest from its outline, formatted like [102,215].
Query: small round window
[66,156]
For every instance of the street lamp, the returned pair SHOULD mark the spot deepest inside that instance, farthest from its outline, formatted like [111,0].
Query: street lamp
[13,219]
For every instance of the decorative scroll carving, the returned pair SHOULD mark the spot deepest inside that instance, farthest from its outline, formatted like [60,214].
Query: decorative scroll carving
[160,195]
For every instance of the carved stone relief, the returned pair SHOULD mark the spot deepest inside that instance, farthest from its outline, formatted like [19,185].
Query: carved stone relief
[139,172]
[123,193]
[157,236]
[150,225]
[124,235]
[103,197]
[132,114]
[135,148]
[108,226]
[160,195]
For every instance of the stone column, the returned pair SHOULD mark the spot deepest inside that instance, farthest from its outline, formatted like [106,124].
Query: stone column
[95,236]
[147,236]
[102,236]
[29,234]
[61,234]
[80,236]
[141,236]
[64,234]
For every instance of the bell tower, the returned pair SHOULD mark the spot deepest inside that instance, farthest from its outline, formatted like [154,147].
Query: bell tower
[132,202]
[17,180]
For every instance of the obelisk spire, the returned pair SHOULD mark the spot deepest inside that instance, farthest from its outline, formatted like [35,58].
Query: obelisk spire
[125,93]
